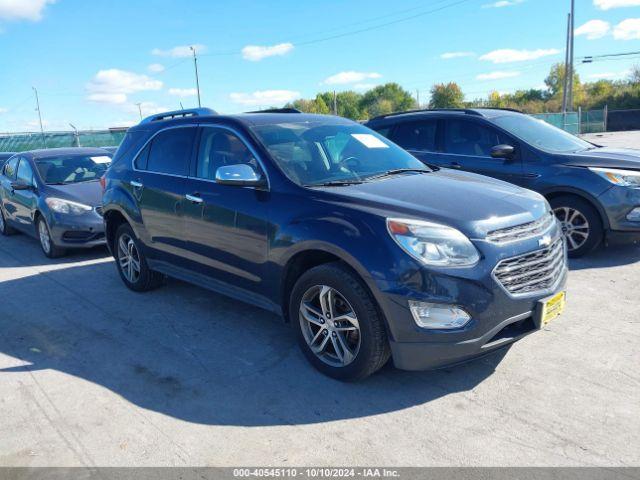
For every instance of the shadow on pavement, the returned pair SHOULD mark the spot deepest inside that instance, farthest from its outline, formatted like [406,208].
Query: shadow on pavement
[612,256]
[191,354]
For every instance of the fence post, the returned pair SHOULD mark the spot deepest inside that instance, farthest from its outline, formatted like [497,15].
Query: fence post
[580,120]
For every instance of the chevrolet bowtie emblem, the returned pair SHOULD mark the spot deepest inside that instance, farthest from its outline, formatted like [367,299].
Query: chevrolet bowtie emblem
[544,241]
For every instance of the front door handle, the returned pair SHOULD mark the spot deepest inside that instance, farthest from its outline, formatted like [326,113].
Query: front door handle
[194,198]
[455,165]
[135,184]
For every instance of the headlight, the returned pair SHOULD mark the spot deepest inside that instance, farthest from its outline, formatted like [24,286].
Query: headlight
[432,243]
[624,178]
[59,205]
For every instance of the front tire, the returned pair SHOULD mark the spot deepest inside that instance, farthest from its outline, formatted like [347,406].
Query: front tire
[131,262]
[581,224]
[5,228]
[339,327]
[49,248]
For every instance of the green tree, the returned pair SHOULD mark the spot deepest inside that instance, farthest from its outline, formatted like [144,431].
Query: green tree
[555,80]
[634,78]
[384,99]
[447,95]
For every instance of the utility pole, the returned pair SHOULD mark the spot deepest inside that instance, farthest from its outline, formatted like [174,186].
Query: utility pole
[573,21]
[418,97]
[76,135]
[565,85]
[195,64]
[44,143]
[139,109]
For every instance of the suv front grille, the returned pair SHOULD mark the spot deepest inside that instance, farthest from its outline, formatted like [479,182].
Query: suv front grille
[524,231]
[532,272]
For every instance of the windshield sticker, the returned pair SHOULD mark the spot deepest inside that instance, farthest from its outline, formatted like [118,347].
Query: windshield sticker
[369,141]
[102,159]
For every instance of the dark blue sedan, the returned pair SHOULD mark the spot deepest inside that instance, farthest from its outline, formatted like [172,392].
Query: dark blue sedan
[54,195]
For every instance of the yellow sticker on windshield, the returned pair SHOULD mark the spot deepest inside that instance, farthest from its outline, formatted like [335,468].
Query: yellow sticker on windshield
[369,141]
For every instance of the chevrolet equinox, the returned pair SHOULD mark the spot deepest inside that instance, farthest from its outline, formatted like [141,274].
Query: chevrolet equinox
[367,252]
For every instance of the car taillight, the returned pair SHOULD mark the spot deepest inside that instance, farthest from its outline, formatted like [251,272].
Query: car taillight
[103,183]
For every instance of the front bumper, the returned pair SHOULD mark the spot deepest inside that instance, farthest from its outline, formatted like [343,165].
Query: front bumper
[617,203]
[497,317]
[77,231]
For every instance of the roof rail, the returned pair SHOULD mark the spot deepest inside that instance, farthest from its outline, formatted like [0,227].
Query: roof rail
[500,108]
[277,110]
[468,111]
[191,112]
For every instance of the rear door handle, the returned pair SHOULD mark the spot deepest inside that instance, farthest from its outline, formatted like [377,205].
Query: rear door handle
[194,198]
[135,184]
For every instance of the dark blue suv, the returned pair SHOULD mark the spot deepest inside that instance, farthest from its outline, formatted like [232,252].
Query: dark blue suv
[594,191]
[366,251]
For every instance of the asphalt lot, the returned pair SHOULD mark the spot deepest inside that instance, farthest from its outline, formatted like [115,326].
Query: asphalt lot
[92,374]
[616,139]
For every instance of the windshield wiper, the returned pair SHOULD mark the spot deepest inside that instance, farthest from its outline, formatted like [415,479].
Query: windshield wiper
[398,171]
[336,183]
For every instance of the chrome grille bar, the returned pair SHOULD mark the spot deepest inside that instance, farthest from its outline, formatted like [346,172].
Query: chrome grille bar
[522,232]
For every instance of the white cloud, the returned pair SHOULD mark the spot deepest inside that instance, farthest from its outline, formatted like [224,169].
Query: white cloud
[502,3]
[628,29]
[497,75]
[593,29]
[156,68]
[23,9]
[183,92]
[113,85]
[255,53]
[609,4]
[507,55]
[264,97]
[450,55]
[3,110]
[180,51]
[344,78]
[609,75]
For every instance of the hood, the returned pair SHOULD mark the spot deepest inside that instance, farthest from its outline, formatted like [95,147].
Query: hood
[472,203]
[88,193]
[622,158]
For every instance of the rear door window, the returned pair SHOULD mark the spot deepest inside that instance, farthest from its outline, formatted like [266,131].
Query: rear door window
[170,151]
[418,135]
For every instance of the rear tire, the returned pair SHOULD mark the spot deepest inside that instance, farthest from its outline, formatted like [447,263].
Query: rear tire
[5,228]
[131,262]
[581,224]
[49,248]
[353,347]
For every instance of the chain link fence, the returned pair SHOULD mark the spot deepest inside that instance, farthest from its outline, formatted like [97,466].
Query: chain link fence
[588,121]
[20,142]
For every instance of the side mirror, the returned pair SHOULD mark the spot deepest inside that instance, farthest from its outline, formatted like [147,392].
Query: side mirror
[21,186]
[241,175]
[503,151]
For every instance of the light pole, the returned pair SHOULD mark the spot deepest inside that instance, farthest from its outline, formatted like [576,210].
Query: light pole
[44,143]
[139,109]
[195,64]
[76,135]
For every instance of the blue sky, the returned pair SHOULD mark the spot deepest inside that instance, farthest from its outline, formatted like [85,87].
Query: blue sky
[94,61]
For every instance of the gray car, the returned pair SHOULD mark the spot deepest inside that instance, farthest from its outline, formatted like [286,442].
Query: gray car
[55,196]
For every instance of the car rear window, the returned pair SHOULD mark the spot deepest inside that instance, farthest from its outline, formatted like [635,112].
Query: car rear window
[171,150]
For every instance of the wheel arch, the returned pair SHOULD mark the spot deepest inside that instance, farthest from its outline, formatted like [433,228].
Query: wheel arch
[561,192]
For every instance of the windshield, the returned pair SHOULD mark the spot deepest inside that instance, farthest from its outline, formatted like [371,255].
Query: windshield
[541,134]
[317,153]
[72,168]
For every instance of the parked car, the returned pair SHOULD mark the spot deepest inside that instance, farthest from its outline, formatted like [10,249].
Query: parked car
[594,191]
[55,196]
[366,251]
[4,156]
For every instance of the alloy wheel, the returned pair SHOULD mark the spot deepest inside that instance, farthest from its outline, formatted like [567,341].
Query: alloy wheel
[575,226]
[330,326]
[45,239]
[128,258]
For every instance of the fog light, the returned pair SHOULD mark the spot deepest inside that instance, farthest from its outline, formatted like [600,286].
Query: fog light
[634,215]
[438,315]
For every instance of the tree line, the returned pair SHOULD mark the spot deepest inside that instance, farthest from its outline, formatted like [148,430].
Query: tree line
[391,97]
